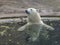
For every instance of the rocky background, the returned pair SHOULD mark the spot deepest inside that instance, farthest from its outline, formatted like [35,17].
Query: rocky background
[31,3]
[12,16]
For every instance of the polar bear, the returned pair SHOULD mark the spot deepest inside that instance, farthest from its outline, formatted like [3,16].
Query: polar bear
[35,26]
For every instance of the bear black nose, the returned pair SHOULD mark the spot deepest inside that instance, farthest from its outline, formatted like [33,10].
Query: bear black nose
[27,12]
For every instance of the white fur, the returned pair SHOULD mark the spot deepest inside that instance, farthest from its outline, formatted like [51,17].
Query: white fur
[34,16]
[35,25]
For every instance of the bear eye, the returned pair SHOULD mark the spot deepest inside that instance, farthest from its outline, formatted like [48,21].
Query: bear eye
[31,9]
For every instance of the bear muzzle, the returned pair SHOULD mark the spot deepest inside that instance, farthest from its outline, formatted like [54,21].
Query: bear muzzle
[27,12]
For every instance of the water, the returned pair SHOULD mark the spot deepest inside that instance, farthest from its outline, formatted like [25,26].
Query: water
[10,36]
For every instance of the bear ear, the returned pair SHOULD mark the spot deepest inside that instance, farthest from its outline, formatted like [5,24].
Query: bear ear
[38,10]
